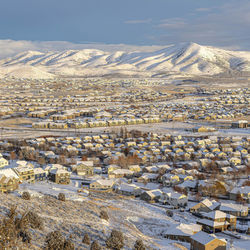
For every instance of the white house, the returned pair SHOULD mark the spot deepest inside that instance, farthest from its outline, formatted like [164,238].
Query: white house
[174,199]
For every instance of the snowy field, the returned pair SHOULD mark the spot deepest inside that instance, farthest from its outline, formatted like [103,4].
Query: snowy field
[39,189]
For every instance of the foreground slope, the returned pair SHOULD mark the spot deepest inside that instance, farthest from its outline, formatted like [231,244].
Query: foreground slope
[76,218]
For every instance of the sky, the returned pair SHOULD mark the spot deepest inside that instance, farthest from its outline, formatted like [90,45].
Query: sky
[221,23]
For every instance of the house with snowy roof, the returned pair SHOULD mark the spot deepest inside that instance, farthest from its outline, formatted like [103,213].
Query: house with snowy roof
[243,191]
[120,173]
[173,198]
[188,185]
[217,221]
[3,161]
[25,173]
[59,176]
[40,174]
[148,177]
[205,206]
[128,189]
[84,168]
[102,184]
[151,169]
[151,195]
[170,179]
[234,209]
[182,232]
[204,241]
[9,180]
[8,184]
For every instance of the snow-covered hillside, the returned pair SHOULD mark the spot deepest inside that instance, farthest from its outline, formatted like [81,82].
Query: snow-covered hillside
[187,58]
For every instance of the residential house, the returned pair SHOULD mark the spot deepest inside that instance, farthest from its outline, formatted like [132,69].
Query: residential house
[173,198]
[234,209]
[128,189]
[8,184]
[40,174]
[148,177]
[204,241]
[205,206]
[112,167]
[235,160]
[135,168]
[217,221]
[25,173]
[243,191]
[151,195]
[101,184]
[151,169]
[170,179]
[3,162]
[184,177]
[188,185]
[59,176]
[84,168]
[120,173]
[182,232]
[240,124]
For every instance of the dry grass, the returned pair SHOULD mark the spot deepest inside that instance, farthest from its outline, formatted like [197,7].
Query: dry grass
[68,217]
[14,122]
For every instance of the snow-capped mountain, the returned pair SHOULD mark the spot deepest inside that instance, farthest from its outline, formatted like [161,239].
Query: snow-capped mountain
[185,58]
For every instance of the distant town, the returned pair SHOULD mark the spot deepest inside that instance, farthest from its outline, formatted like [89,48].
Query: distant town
[180,152]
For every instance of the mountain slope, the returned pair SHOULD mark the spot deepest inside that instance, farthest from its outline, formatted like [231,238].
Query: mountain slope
[187,58]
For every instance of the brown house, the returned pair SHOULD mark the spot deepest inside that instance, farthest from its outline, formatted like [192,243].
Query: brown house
[238,210]
[84,168]
[25,173]
[204,241]
[205,206]
[217,221]
[240,124]
[8,184]
[59,176]
[182,232]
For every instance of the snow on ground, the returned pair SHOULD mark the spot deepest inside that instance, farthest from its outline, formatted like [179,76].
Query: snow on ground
[134,217]
[185,58]
[39,189]
[147,220]
[236,244]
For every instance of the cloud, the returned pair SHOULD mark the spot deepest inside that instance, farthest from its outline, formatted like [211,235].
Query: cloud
[226,25]
[203,9]
[10,47]
[138,21]
[172,23]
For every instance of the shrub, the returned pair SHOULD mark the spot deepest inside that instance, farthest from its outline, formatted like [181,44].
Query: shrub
[115,241]
[26,236]
[68,245]
[21,223]
[26,195]
[34,220]
[169,213]
[139,245]
[54,241]
[86,239]
[12,228]
[8,234]
[104,215]
[95,245]
[12,212]
[61,197]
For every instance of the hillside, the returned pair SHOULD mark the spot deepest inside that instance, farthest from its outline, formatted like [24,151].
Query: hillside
[184,58]
[76,218]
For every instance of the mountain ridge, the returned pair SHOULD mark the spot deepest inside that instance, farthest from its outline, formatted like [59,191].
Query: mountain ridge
[185,58]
